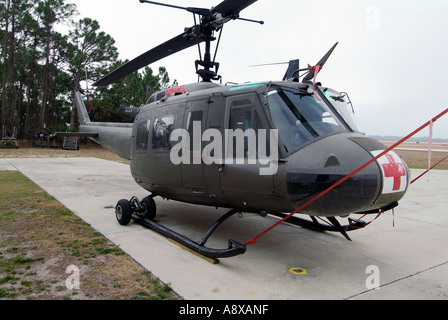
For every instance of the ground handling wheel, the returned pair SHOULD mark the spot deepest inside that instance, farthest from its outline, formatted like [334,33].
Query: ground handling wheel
[149,207]
[144,212]
[123,212]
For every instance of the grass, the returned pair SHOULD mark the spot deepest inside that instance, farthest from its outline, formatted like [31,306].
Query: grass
[419,159]
[40,238]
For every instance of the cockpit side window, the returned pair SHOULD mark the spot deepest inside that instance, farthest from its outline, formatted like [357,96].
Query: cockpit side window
[244,121]
[142,135]
[343,106]
[301,118]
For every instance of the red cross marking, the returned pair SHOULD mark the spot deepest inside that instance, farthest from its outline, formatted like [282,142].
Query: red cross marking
[394,170]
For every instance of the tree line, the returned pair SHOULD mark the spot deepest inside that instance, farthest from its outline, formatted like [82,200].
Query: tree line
[40,68]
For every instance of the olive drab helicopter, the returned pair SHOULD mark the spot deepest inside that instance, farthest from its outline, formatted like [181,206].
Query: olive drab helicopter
[263,148]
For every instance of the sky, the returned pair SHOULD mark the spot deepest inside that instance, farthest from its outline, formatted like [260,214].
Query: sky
[392,56]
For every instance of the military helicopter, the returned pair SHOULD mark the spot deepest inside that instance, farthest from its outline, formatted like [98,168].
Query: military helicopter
[263,148]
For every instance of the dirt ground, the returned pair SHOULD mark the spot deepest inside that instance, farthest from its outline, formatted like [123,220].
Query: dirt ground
[89,149]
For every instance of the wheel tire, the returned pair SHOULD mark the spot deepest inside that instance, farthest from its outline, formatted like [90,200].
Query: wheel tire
[123,212]
[150,206]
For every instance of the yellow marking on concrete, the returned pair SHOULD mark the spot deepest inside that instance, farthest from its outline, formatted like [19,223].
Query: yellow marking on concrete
[298,271]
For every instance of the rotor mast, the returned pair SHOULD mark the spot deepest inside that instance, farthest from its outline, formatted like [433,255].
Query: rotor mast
[207,73]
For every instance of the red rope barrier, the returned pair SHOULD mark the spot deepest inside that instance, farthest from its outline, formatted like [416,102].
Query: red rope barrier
[429,169]
[320,195]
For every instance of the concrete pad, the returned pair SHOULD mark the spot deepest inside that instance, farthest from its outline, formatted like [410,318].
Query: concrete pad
[409,249]
[5,165]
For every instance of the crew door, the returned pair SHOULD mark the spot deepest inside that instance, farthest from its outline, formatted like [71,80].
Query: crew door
[204,121]
[192,171]
[245,168]
[161,171]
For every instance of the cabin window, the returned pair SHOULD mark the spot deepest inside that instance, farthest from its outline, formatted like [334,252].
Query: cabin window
[142,135]
[243,122]
[192,117]
[163,127]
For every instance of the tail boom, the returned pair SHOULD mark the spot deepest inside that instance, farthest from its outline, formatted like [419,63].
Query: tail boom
[114,136]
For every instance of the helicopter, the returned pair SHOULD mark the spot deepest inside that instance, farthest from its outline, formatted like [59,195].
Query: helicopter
[264,147]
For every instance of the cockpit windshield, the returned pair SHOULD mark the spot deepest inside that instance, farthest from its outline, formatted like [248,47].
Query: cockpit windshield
[300,117]
[343,106]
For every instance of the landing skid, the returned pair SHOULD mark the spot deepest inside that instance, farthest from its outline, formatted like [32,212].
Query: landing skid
[333,224]
[143,212]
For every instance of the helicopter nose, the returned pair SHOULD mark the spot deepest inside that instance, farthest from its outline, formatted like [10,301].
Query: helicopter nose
[318,166]
[395,178]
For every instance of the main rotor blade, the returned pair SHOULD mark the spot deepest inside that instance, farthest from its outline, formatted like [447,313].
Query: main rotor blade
[232,8]
[166,49]
[321,63]
[163,4]
[200,11]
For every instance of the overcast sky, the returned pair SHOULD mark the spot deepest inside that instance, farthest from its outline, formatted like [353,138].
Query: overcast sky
[392,56]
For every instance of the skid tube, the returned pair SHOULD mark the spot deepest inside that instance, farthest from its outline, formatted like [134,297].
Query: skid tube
[235,248]
[334,225]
